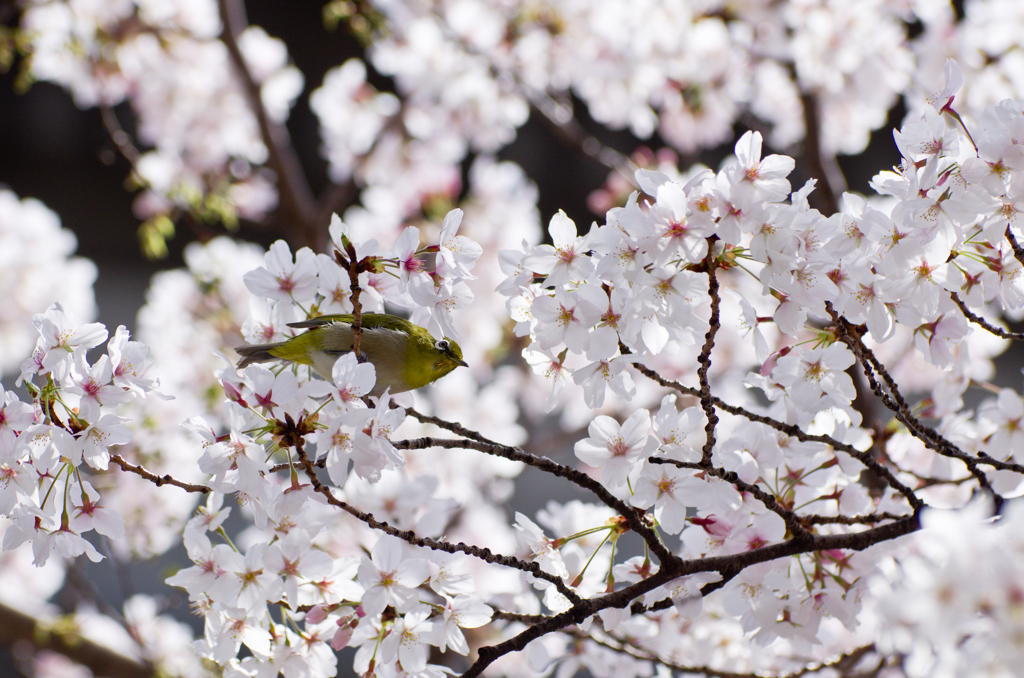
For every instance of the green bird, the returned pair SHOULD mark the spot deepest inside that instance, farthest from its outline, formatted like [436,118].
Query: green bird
[405,356]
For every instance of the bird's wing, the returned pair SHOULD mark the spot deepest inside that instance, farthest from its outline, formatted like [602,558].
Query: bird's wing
[320,322]
[367,320]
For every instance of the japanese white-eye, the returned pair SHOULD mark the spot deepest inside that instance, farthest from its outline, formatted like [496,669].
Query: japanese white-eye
[405,355]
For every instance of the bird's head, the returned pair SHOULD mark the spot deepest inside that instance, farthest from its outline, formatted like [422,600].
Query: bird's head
[430,359]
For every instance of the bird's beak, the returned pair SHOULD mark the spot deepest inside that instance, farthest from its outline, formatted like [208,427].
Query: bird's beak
[463,363]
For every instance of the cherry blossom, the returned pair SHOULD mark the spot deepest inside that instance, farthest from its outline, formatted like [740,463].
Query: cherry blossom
[389,577]
[616,449]
[283,278]
[565,260]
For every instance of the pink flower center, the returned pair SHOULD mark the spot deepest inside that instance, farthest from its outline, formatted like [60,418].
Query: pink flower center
[676,230]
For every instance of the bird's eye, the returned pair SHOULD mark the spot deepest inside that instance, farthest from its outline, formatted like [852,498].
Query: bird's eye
[441,344]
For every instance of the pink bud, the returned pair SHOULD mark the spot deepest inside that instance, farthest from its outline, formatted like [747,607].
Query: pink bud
[341,637]
[317,614]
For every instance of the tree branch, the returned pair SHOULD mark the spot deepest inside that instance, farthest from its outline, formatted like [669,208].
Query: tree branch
[831,182]
[297,200]
[481,444]
[981,322]
[706,401]
[790,430]
[898,405]
[411,537]
[66,640]
[731,564]
[159,481]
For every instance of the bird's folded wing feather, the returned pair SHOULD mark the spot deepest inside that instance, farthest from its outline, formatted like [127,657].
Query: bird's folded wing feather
[368,320]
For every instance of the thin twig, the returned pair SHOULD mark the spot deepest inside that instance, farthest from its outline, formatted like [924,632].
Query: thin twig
[624,646]
[981,322]
[770,502]
[521,618]
[789,429]
[412,538]
[706,401]
[867,519]
[1018,251]
[898,405]
[166,479]
[481,444]
[121,139]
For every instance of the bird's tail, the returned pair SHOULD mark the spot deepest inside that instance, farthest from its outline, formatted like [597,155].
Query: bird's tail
[260,353]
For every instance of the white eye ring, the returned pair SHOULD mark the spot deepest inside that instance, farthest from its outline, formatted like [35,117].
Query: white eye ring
[442,345]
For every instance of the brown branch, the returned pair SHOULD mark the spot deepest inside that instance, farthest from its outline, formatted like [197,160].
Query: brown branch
[625,647]
[770,502]
[478,442]
[984,458]
[981,322]
[789,429]
[898,405]
[1018,251]
[728,565]
[831,182]
[159,481]
[297,202]
[411,537]
[16,626]
[521,618]
[355,266]
[727,576]
[454,427]
[706,402]
[867,519]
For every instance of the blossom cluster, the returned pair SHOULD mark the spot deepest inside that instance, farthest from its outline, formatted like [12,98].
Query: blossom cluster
[734,260]
[326,602]
[296,559]
[814,295]
[702,350]
[71,423]
[951,602]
